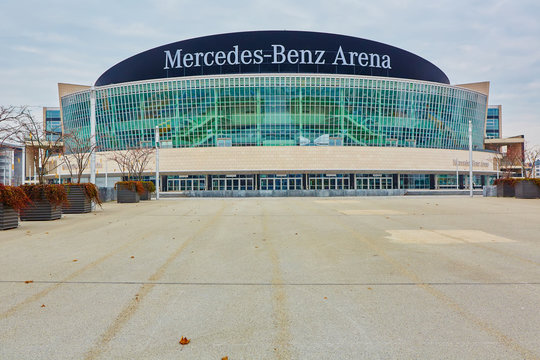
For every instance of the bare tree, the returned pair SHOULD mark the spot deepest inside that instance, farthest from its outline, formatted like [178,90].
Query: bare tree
[522,161]
[10,119]
[530,156]
[78,149]
[508,164]
[121,159]
[133,162]
[40,149]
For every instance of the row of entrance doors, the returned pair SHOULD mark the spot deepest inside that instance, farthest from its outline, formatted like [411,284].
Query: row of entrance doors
[294,182]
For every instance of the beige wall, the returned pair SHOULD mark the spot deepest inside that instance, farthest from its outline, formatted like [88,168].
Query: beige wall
[283,159]
[481,87]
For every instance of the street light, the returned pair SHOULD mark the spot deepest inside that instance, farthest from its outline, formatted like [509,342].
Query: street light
[157,162]
[157,157]
[470,160]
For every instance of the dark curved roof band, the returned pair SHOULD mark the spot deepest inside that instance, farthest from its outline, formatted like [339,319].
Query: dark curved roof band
[273,52]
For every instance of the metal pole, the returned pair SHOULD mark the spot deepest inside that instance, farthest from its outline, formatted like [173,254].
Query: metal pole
[106,174]
[157,163]
[93,138]
[24,164]
[93,135]
[457,175]
[470,160]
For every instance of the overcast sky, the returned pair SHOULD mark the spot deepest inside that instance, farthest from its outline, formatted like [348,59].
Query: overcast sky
[47,42]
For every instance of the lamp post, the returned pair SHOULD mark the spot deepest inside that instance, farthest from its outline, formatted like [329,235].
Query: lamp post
[157,163]
[93,139]
[23,155]
[457,174]
[93,134]
[106,173]
[470,160]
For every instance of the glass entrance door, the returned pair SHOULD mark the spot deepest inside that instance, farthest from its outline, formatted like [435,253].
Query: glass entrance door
[370,182]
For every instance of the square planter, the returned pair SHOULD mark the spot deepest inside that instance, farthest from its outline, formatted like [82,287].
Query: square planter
[9,218]
[78,202]
[146,195]
[125,195]
[41,210]
[527,189]
[505,190]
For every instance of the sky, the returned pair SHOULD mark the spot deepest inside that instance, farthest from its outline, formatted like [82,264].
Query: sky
[43,43]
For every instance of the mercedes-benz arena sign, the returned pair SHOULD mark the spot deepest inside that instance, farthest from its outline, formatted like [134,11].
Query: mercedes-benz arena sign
[273,52]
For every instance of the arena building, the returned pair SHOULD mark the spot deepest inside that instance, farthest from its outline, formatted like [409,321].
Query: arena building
[285,110]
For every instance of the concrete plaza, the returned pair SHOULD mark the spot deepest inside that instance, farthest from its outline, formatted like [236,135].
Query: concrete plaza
[427,277]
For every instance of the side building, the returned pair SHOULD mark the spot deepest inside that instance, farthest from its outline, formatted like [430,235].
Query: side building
[52,123]
[11,164]
[511,149]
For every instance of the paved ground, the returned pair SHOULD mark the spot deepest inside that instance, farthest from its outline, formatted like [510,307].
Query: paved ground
[293,278]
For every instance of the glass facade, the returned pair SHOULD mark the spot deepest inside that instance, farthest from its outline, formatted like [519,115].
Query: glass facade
[493,122]
[53,126]
[280,110]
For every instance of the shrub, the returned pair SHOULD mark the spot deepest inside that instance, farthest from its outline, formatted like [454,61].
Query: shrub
[149,186]
[54,193]
[132,185]
[534,180]
[14,197]
[507,181]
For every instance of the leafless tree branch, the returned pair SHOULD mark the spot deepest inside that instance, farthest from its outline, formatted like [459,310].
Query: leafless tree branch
[31,133]
[78,149]
[133,162]
[10,119]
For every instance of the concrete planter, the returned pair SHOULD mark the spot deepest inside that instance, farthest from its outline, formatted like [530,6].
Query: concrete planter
[78,201]
[527,189]
[41,210]
[125,195]
[9,219]
[146,195]
[505,190]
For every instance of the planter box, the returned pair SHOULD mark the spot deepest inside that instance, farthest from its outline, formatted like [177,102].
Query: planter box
[9,218]
[526,189]
[505,190]
[41,210]
[124,195]
[78,202]
[146,196]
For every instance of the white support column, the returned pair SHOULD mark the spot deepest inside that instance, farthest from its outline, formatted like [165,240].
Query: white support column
[23,165]
[93,138]
[59,169]
[157,163]
[470,160]
[93,134]
[11,166]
